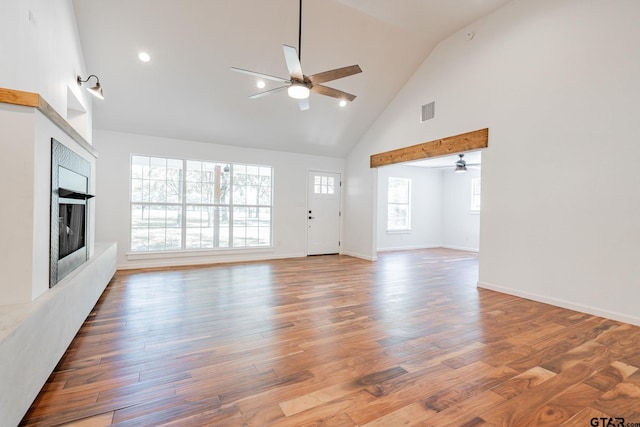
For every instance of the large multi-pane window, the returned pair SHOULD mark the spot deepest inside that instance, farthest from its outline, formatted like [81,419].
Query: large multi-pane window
[181,204]
[399,204]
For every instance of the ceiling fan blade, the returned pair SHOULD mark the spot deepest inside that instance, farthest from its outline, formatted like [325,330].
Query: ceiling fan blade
[293,62]
[328,91]
[303,104]
[268,92]
[261,75]
[338,73]
[468,165]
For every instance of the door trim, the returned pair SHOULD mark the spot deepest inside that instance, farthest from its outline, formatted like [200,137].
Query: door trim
[306,234]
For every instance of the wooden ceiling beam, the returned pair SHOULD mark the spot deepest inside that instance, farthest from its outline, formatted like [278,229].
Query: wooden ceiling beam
[469,141]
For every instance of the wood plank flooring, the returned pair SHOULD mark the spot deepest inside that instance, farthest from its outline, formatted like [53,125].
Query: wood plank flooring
[336,341]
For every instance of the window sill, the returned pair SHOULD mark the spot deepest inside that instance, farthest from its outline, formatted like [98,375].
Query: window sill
[133,256]
[408,231]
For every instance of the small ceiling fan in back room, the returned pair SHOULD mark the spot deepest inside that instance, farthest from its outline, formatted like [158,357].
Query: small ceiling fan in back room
[298,85]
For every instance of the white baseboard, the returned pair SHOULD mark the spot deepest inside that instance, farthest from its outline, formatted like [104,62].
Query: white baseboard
[361,256]
[408,248]
[461,248]
[595,311]
[204,260]
[416,247]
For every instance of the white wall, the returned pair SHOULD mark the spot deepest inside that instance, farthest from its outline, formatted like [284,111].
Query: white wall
[360,213]
[426,208]
[460,226]
[555,81]
[40,52]
[289,194]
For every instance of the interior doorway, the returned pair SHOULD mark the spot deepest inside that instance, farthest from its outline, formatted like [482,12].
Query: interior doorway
[444,206]
[323,213]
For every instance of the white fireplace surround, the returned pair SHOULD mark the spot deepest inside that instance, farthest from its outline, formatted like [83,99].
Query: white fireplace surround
[37,323]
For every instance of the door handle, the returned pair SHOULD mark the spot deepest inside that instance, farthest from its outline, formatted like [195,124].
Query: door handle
[311,217]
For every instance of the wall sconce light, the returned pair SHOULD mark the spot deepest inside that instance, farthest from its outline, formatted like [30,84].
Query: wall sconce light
[96,90]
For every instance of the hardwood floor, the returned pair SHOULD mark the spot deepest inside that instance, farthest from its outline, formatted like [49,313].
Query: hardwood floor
[338,341]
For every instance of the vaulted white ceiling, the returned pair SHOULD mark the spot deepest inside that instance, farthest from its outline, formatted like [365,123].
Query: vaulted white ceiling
[187,90]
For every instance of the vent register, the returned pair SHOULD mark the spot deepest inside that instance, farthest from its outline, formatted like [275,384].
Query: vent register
[427,112]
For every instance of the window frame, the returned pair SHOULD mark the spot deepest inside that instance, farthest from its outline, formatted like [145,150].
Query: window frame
[184,203]
[476,192]
[407,204]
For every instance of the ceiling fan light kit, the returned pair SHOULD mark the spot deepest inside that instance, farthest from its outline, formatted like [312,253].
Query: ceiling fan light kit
[298,85]
[298,91]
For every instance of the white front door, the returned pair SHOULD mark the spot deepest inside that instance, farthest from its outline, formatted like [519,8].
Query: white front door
[323,213]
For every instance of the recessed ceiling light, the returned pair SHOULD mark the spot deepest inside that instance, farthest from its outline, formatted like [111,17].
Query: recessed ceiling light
[144,57]
[342,103]
[261,84]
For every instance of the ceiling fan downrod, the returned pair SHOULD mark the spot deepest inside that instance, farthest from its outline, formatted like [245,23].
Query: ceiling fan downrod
[300,32]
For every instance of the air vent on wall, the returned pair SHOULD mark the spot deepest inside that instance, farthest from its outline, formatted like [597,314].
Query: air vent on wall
[428,112]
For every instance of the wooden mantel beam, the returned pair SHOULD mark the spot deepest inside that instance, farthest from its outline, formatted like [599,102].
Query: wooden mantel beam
[469,141]
[18,97]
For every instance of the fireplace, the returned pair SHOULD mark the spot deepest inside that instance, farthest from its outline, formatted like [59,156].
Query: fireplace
[71,229]
[70,184]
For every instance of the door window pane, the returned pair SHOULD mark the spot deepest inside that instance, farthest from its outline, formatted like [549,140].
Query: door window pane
[324,184]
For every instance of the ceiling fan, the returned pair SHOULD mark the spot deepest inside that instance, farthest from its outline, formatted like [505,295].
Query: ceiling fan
[299,85]
[461,165]
[445,162]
